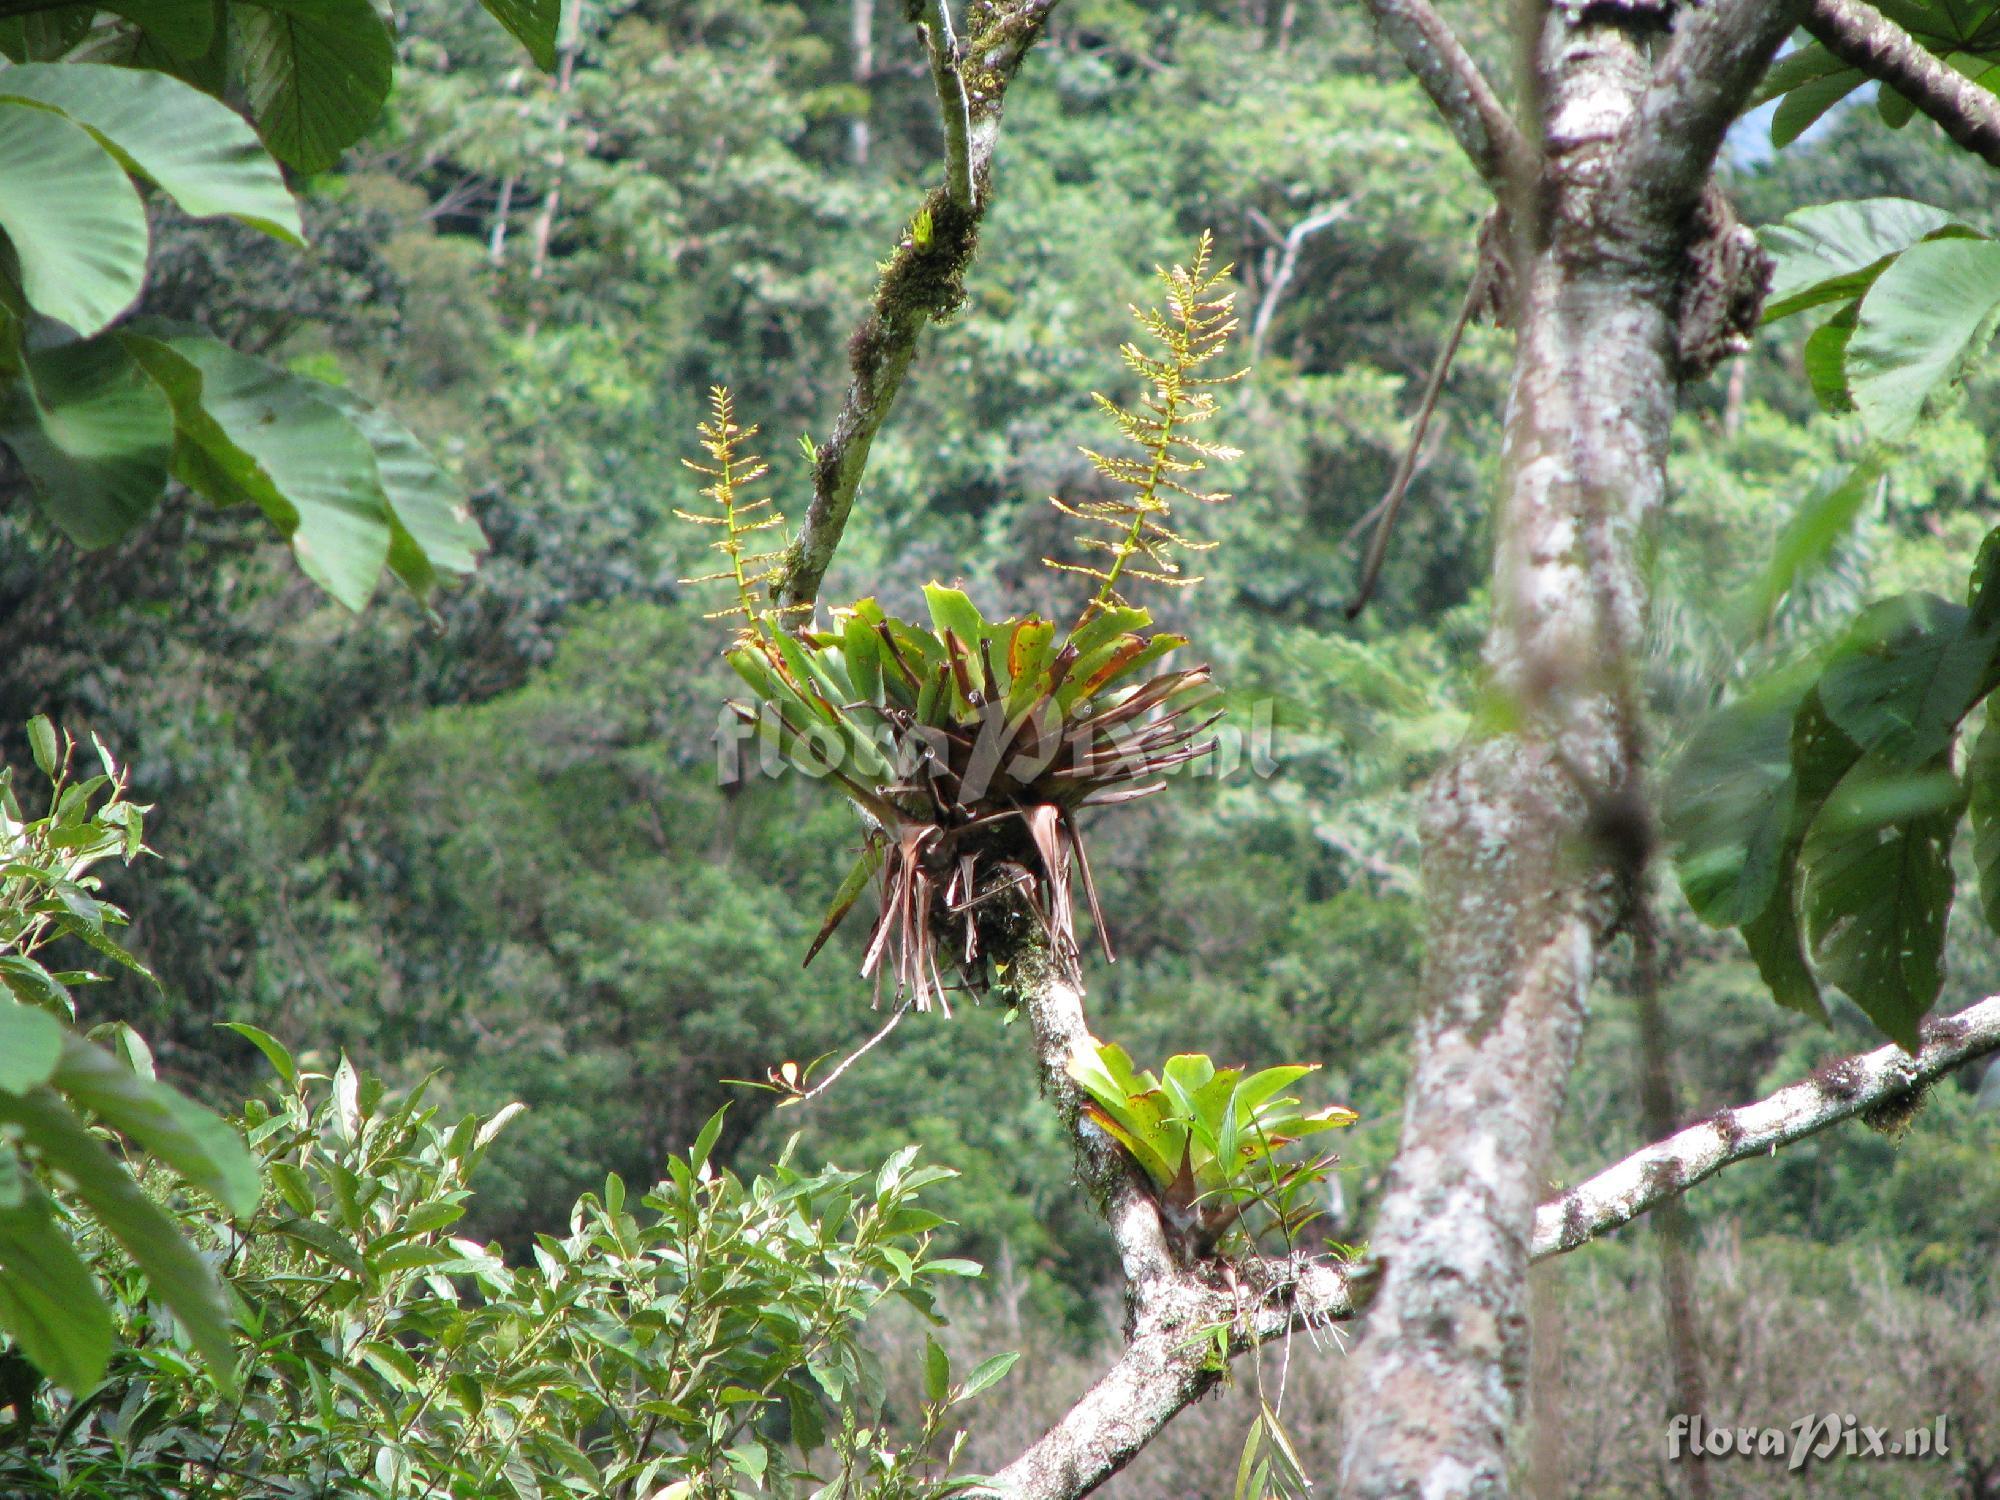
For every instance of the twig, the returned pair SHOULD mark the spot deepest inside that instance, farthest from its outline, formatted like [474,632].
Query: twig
[1386,509]
[1289,246]
[1862,37]
[852,1058]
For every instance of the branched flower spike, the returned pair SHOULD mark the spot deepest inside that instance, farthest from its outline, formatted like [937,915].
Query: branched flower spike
[731,471]
[974,748]
[1193,330]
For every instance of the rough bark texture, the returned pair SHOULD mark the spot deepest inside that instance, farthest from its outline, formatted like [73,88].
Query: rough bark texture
[1876,1085]
[1173,1308]
[1435,57]
[1864,38]
[1526,827]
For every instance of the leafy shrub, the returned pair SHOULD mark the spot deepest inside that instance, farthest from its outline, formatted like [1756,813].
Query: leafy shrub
[54,1082]
[699,1340]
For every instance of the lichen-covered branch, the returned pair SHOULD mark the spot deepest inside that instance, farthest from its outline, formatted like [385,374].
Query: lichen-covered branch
[1472,111]
[1882,1080]
[1862,37]
[1170,1357]
[923,282]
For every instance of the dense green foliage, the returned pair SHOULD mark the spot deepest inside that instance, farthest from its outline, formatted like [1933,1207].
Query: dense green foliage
[705,1333]
[486,844]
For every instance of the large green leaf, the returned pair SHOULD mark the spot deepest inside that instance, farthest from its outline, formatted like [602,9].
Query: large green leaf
[197,149]
[75,221]
[1803,106]
[95,436]
[1907,671]
[1922,321]
[1982,782]
[1812,532]
[44,33]
[1821,755]
[183,27]
[179,1277]
[1833,251]
[1731,804]
[431,530]
[249,432]
[1800,65]
[1777,947]
[1826,361]
[534,24]
[1877,890]
[47,1300]
[316,73]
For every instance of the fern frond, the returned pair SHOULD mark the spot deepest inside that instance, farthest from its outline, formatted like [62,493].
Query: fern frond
[1192,329]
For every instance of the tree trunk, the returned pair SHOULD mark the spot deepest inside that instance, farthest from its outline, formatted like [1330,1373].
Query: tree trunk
[1528,829]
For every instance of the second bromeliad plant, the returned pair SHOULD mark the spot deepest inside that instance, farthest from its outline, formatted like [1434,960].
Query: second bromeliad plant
[970,746]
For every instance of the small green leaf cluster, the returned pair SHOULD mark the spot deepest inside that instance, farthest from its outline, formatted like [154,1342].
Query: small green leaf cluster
[970,746]
[701,1339]
[55,1086]
[1209,1138]
[1810,80]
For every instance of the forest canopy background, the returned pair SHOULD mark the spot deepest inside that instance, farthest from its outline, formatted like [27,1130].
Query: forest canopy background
[489,843]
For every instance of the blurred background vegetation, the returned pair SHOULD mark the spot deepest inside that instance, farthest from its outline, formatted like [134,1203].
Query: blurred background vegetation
[489,843]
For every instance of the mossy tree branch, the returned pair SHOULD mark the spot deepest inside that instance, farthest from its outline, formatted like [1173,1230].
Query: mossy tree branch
[1471,109]
[923,281]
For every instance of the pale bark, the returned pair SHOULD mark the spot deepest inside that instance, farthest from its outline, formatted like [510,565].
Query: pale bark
[1286,264]
[1880,1080]
[861,44]
[545,216]
[1166,1365]
[1529,828]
